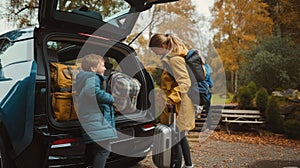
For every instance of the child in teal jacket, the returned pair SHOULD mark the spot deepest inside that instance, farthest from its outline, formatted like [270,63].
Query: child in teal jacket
[95,110]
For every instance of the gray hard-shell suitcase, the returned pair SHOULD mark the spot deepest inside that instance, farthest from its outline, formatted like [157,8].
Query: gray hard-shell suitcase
[165,145]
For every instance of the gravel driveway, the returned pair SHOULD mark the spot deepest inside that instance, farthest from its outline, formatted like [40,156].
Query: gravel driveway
[220,150]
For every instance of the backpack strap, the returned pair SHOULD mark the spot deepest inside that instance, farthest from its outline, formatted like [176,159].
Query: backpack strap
[193,51]
[190,53]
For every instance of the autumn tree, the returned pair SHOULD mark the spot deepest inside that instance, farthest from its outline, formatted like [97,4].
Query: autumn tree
[218,74]
[286,17]
[239,25]
[22,13]
[176,18]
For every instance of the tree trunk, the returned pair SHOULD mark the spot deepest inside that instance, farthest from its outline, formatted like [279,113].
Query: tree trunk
[232,81]
[235,82]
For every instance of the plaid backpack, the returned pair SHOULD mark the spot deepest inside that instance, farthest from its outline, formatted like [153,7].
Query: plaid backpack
[125,91]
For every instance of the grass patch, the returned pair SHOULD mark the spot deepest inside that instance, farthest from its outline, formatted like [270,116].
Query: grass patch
[217,99]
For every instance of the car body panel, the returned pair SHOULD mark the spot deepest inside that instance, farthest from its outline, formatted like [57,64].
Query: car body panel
[17,103]
[18,87]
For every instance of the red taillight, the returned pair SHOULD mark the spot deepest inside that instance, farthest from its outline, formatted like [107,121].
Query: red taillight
[64,141]
[148,127]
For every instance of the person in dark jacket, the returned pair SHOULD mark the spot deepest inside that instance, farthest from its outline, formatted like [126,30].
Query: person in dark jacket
[95,110]
[205,96]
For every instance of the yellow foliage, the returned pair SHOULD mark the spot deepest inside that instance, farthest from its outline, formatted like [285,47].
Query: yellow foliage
[239,24]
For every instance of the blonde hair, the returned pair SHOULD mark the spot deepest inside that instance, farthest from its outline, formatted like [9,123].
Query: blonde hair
[172,43]
[91,60]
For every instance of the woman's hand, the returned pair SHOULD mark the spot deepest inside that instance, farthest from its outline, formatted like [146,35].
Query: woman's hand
[171,107]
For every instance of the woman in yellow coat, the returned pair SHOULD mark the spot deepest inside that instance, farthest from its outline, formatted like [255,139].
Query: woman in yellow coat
[175,82]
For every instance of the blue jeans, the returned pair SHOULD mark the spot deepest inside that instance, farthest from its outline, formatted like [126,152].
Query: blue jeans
[185,151]
[97,153]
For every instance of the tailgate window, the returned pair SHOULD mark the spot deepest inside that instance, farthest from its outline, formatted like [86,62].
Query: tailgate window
[100,9]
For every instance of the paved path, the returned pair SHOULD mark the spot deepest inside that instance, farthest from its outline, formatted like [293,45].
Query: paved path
[211,153]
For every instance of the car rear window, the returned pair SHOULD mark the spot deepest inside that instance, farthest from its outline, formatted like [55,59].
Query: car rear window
[99,8]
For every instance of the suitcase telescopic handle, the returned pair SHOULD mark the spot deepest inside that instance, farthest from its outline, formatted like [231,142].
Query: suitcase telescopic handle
[169,115]
[174,116]
[172,110]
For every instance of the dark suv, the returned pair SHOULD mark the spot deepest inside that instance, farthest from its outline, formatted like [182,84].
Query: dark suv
[30,135]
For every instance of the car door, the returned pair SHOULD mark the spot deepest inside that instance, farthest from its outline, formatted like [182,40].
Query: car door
[17,84]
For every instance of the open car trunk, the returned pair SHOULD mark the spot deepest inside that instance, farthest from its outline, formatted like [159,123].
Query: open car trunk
[67,31]
[68,51]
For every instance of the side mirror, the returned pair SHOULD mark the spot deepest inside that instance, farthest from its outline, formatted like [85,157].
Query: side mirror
[2,77]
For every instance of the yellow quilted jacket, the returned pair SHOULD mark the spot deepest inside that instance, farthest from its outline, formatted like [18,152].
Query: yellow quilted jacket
[176,92]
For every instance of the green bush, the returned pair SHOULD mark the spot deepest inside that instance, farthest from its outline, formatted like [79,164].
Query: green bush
[261,99]
[252,88]
[273,117]
[244,98]
[291,129]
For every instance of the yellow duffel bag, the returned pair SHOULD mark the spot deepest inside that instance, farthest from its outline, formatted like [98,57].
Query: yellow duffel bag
[63,107]
[62,76]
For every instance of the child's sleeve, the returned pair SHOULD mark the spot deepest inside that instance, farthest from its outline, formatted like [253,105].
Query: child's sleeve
[92,88]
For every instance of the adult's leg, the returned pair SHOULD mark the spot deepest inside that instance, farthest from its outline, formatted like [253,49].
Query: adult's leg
[178,162]
[207,100]
[185,149]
